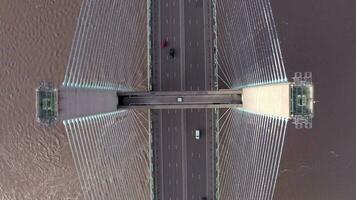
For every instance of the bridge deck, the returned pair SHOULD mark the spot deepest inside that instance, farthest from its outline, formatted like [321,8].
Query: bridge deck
[183,166]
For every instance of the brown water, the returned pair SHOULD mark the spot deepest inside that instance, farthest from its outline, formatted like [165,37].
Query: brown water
[319,36]
[35,39]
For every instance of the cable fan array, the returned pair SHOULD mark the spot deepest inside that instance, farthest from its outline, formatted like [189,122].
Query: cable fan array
[250,150]
[249,144]
[248,48]
[111,155]
[109,50]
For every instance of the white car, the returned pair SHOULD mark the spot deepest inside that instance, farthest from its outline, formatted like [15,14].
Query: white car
[197,134]
[179,99]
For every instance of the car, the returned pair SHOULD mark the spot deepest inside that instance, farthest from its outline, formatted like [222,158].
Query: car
[197,134]
[164,43]
[172,53]
[179,99]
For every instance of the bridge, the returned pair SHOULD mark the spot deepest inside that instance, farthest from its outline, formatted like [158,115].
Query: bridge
[131,107]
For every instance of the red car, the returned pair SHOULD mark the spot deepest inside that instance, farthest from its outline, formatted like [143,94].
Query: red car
[164,43]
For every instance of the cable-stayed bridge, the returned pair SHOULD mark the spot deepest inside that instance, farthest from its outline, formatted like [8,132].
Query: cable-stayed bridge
[131,107]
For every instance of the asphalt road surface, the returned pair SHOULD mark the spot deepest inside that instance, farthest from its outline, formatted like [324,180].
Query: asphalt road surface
[184,166]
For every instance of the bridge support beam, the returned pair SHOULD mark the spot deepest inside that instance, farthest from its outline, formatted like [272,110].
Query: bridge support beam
[180,99]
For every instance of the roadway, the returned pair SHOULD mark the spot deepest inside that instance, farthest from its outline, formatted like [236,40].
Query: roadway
[183,165]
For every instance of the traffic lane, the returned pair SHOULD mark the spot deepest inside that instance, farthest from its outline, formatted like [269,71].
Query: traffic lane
[172,154]
[167,154]
[157,150]
[196,155]
[156,46]
[170,78]
[194,39]
[196,119]
[170,31]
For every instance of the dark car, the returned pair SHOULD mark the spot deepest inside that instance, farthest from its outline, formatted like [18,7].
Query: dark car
[172,52]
